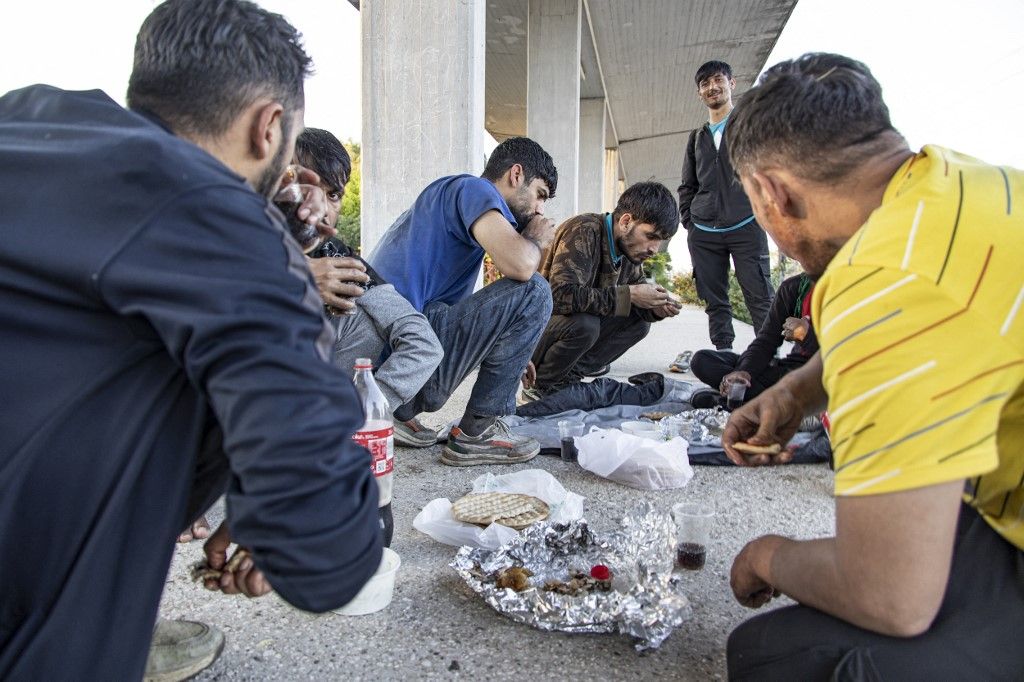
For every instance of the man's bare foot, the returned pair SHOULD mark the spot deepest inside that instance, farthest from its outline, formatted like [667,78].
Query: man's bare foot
[200,530]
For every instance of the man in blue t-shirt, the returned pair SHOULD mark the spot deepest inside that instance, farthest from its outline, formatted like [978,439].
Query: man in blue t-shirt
[432,255]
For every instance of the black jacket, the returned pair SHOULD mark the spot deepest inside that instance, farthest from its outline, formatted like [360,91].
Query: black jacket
[709,193]
[761,351]
[161,341]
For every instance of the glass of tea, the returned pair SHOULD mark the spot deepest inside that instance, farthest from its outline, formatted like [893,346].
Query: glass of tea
[569,431]
[288,200]
[693,533]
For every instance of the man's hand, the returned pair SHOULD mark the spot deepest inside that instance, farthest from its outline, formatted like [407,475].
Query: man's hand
[649,296]
[338,280]
[738,376]
[749,575]
[314,202]
[530,375]
[540,231]
[772,417]
[245,579]
[670,309]
[795,328]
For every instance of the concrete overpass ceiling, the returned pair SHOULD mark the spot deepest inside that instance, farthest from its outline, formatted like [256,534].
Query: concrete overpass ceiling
[648,51]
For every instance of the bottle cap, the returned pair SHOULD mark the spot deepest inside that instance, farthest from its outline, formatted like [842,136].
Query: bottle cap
[363,363]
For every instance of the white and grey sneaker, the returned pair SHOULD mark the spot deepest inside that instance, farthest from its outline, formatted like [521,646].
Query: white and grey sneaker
[413,434]
[496,445]
[180,649]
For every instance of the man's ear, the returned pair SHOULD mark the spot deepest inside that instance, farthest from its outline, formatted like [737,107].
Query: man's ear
[265,131]
[778,191]
[624,220]
[514,175]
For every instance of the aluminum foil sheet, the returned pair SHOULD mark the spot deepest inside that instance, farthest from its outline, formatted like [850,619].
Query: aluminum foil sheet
[698,427]
[646,601]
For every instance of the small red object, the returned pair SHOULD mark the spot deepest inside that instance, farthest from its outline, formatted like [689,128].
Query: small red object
[600,572]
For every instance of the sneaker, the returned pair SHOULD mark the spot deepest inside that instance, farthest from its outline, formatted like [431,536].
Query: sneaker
[496,445]
[180,649]
[413,434]
[811,422]
[682,362]
[645,377]
[528,395]
[705,399]
[598,372]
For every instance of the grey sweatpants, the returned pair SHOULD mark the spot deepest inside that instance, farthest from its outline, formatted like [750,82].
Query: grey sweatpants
[384,318]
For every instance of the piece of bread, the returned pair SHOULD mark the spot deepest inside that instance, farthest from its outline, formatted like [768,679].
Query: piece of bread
[751,449]
[514,510]
[799,333]
[656,416]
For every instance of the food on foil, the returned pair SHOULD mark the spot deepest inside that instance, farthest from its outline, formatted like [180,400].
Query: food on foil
[515,578]
[580,584]
[751,449]
[656,416]
[629,587]
[509,509]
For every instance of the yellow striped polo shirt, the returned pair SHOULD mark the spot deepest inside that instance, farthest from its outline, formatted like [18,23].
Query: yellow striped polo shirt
[921,327]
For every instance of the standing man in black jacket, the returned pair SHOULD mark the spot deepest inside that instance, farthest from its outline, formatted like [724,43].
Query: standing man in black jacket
[163,343]
[717,215]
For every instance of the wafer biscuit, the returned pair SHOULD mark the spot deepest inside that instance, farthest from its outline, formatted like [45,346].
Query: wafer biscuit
[752,449]
[509,509]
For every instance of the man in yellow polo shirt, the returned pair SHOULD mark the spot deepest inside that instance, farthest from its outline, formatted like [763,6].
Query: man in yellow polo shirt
[918,311]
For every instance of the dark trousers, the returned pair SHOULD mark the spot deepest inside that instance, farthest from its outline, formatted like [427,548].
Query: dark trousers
[710,366]
[976,635]
[573,345]
[494,330]
[710,252]
[593,395]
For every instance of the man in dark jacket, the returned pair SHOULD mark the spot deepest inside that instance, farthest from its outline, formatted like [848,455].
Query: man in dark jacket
[758,368]
[163,343]
[717,215]
[602,303]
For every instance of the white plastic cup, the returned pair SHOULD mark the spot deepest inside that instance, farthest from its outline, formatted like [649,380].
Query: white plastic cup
[378,590]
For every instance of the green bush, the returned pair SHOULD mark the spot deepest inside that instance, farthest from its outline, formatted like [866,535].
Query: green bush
[348,217]
[659,268]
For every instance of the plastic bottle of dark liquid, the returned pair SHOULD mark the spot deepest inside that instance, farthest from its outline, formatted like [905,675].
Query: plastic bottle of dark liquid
[377,436]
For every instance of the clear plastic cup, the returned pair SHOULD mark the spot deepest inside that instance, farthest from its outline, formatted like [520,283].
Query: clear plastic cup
[735,391]
[693,533]
[568,432]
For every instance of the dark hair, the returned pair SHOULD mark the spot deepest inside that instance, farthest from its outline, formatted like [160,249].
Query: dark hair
[321,152]
[651,203]
[821,115]
[536,162]
[200,63]
[712,68]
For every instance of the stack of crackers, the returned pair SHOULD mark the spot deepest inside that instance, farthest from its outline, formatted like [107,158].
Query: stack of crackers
[514,510]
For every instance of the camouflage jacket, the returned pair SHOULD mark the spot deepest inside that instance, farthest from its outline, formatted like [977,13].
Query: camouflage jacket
[578,266]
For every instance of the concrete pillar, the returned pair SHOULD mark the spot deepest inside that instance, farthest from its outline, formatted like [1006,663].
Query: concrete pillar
[423,101]
[610,186]
[591,175]
[553,94]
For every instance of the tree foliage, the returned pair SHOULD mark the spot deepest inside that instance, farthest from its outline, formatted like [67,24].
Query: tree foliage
[348,218]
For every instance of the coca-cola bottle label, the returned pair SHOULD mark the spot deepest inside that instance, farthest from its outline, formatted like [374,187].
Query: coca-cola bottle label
[381,445]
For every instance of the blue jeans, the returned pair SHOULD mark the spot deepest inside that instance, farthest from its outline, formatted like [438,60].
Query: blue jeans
[494,330]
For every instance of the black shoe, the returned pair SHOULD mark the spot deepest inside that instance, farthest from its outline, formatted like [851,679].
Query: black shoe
[706,398]
[646,377]
[599,372]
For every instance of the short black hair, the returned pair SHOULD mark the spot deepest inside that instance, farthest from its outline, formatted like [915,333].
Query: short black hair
[712,68]
[322,153]
[200,63]
[536,162]
[651,203]
[821,115]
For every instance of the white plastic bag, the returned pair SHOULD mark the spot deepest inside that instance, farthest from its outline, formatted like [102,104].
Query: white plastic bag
[437,521]
[635,461]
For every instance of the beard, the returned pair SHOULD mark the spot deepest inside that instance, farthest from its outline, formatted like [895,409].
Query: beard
[270,179]
[519,206]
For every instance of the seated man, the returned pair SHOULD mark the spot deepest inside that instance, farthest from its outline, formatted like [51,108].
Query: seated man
[432,255]
[758,368]
[382,321]
[602,303]
[917,308]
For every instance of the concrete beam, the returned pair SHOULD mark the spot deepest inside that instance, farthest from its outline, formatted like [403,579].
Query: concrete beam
[553,93]
[423,101]
[592,140]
